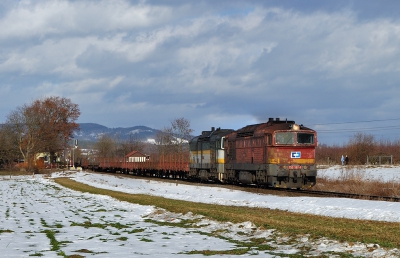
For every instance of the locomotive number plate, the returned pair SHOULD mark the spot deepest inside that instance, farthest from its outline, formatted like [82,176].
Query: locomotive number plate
[294,167]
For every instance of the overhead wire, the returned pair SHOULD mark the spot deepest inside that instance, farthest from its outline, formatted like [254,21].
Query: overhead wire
[356,122]
[342,130]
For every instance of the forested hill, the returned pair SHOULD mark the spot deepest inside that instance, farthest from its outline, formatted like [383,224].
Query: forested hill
[92,131]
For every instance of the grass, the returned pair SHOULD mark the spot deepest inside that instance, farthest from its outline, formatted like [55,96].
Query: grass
[6,231]
[14,173]
[237,251]
[88,224]
[137,230]
[386,234]
[55,245]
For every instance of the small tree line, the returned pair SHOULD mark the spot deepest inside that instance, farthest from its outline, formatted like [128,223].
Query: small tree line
[359,147]
[170,140]
[45,125]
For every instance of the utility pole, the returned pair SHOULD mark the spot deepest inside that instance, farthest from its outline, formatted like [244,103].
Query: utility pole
[73,152]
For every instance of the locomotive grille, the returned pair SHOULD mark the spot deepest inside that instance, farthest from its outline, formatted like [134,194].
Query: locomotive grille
[244,134]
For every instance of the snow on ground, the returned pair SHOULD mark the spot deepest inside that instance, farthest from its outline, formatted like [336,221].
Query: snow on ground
[334,207]
[36,210]
[387,173]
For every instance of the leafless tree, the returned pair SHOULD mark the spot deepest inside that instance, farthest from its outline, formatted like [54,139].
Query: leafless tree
[131,144]
[46,125]
[9,150]
[359,147]
[174,139]
[106,146]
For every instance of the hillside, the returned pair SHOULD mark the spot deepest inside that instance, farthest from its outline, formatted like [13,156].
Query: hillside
[91,132]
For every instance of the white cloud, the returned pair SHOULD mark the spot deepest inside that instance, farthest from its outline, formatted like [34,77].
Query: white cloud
[44,18]
[166,61]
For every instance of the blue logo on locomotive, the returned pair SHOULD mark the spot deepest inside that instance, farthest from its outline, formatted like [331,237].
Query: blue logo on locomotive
[295,154]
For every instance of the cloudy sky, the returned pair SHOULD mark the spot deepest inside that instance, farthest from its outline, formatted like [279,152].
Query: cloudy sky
[331,65]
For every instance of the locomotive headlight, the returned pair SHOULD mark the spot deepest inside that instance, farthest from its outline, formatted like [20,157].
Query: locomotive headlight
[296,127]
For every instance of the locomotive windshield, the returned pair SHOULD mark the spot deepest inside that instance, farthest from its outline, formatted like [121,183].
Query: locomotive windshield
[288,138]
[307,138]
[284,138]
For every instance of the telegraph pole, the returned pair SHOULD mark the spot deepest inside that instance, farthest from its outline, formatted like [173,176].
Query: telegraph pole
[73,152]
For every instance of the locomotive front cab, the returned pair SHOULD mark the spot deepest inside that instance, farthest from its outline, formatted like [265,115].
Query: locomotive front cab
[292,158]
[296,136]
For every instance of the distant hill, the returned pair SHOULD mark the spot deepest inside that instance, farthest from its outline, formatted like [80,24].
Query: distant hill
[91,132]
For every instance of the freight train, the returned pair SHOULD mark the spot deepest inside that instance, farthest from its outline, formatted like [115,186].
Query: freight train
[278,153]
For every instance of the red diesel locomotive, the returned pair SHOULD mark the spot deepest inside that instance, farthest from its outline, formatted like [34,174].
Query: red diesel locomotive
[278,153]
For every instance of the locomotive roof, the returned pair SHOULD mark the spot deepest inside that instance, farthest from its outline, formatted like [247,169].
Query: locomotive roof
[272,124]
[206,135]
[249,130]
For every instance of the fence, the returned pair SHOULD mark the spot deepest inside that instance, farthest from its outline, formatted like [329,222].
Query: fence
[379,160]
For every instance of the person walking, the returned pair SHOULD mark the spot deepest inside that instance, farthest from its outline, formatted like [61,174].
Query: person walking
[346,160]
[342,160]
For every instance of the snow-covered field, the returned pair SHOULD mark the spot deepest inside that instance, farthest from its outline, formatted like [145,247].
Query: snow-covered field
[35,209]
[387,173]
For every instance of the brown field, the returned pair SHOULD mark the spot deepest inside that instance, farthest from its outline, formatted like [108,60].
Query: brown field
[355,181]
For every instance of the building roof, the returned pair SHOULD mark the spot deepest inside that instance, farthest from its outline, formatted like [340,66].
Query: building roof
[135,154]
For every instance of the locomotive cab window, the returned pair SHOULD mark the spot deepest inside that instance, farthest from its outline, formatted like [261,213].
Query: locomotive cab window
[306,138]
[269,139]
[284,138]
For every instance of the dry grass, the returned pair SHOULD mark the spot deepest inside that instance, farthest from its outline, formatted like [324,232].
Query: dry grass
[14,173]
[383,233]
[354,179]
[23,172]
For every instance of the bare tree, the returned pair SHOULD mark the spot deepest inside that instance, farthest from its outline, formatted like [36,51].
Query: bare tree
[181,130]
[106,146]
[359,147]
[329,155]
[129,145]
[174,139]
[9,151]
[165,141]
[46,125]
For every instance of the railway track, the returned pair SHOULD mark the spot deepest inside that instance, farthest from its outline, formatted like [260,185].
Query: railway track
[347,195]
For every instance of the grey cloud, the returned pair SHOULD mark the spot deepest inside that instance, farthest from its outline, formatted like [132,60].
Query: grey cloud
[146,62]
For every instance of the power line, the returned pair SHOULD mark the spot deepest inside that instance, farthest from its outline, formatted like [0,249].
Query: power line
[356,122]
[362,129]
[359,129]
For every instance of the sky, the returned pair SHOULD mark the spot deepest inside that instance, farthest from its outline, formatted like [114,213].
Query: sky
[101,226]
[330,65]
